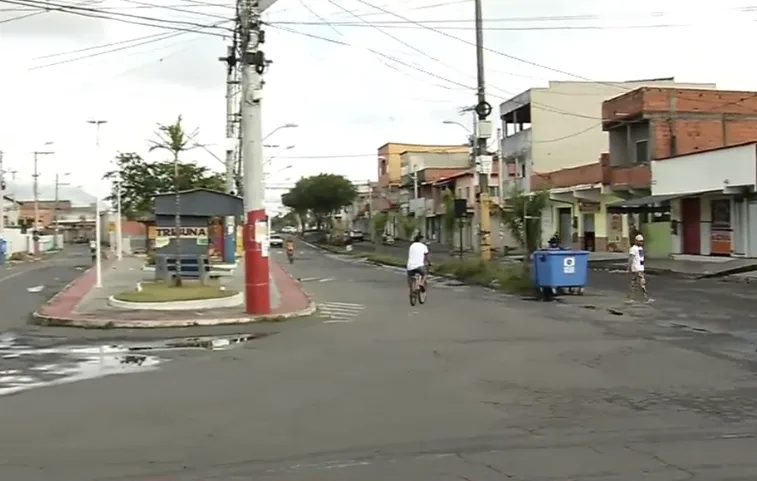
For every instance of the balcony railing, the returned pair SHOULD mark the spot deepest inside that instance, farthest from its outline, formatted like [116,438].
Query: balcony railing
[511,183]
[517,146]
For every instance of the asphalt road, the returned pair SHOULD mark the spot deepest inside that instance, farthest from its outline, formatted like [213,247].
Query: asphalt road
[474,385]
[51,274]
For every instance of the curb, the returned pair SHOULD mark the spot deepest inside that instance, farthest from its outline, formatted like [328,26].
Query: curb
[193,305]
[56,321]
[40,319]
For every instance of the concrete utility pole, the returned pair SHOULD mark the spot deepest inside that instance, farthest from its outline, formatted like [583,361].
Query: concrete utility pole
[232,85]
[254,63]
[35,175]
[483,132]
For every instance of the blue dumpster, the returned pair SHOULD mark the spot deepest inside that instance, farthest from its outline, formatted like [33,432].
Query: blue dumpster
[557,268]
[3,251]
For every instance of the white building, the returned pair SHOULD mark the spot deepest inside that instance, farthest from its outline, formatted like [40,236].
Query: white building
[713,207]
[10,211]
[558,127]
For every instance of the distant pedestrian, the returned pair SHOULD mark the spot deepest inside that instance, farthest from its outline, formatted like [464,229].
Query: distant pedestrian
[636,269]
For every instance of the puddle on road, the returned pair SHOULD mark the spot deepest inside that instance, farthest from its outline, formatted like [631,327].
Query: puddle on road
[24,367]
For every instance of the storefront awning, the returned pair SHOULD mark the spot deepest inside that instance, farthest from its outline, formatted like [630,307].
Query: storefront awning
[651,203]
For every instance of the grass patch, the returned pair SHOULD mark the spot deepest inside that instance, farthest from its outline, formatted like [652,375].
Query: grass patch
[386,259]
[162,292]
[513,278]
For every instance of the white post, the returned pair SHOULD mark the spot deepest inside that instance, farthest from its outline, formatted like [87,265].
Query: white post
[500,168]
[98,241]
[2,197]
[119,238]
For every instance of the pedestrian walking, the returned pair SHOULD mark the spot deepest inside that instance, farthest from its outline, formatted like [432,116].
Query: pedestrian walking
[636,269]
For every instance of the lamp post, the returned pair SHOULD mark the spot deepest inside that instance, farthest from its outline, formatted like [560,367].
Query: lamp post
[280,127]
[35,232]
[58,184]
[98,228]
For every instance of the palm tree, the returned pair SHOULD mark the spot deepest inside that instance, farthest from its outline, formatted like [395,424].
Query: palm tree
[174,139]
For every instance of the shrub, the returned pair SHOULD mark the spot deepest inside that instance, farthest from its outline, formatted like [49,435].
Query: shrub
[508,278]
[150,259]
[17,256]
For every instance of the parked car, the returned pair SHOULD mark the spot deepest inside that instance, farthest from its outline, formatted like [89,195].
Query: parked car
[357,235]
[276,241]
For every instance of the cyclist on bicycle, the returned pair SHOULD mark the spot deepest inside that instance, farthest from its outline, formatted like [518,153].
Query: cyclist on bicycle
[417,260]
[290,246]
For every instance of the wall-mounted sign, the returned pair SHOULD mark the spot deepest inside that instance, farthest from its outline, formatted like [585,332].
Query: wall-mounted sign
[588,207]
[184,232]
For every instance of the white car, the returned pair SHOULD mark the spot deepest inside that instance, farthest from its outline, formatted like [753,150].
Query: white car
[289,230]
[276,241]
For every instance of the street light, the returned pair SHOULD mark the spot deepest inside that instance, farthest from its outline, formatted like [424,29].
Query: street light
[452,122]
[98,234]
[283,169]
[58,184]
[270,159]
[280,127]
[35,233]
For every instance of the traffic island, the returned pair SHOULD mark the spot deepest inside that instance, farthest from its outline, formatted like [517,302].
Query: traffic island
[82,305]
[190,296]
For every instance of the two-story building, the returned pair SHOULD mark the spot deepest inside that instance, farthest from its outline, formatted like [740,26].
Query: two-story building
[389,168]
[559,127]
[702,148]
[357,215]
[419,171]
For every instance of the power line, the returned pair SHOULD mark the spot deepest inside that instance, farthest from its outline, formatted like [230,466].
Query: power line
[150,40]
[175,25]
[432,74]
[442,27]
[147,6]
[529,62]
[175,9]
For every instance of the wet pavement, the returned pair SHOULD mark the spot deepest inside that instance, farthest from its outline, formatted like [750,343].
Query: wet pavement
[25,365]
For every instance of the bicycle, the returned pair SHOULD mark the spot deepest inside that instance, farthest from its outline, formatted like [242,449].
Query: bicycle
[417,290]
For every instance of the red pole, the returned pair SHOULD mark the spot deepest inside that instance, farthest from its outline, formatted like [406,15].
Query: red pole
[256,276]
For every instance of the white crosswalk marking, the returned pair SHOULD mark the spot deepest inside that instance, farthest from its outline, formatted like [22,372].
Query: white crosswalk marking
[339,312]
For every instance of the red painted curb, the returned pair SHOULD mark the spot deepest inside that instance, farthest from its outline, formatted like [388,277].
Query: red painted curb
[60,310]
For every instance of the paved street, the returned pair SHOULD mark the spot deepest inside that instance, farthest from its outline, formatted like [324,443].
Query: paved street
[52,274]
[474,385]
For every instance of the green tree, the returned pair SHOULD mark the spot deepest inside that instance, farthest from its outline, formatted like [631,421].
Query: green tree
[522,215]
[409,226]
[322,195]
[141,180]
[449,220]
[380,220]
[297,200]
[173,139]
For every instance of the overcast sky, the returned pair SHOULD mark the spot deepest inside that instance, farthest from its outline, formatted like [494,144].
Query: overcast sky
[346,99]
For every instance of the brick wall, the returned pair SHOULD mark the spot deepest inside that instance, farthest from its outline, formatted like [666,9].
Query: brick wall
[600,172]
[697,119]
[696,135]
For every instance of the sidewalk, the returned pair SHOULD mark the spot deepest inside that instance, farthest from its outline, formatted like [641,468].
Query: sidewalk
[81,304]
[697,267]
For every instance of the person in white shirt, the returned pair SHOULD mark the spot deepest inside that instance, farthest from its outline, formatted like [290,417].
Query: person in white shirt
[636,269]
[417,259]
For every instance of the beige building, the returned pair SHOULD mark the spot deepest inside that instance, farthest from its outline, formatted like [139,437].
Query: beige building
[557,128]
[560,126]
